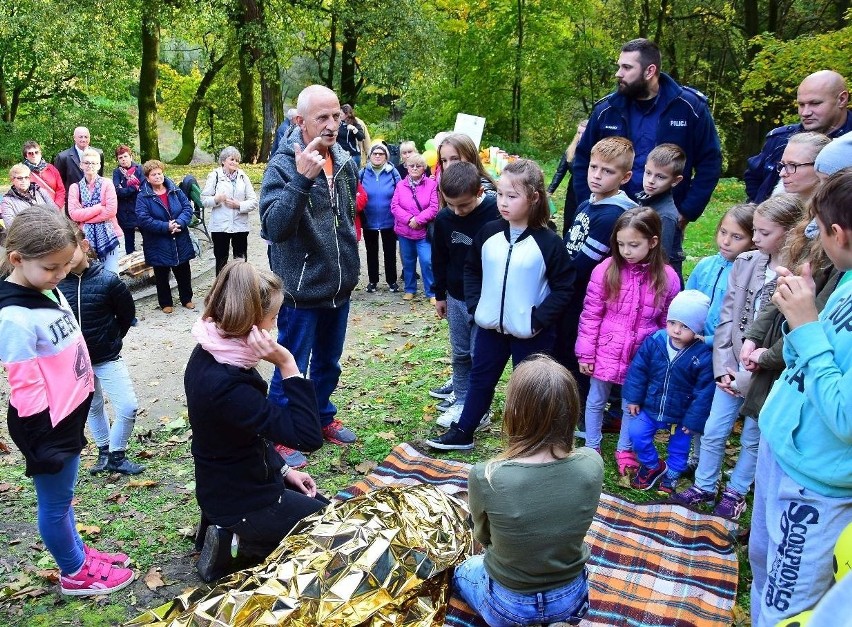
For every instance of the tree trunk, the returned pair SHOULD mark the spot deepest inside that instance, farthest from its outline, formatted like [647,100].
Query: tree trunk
[149,143]
[348,84]
[251,136]
[516,82]
[187,133]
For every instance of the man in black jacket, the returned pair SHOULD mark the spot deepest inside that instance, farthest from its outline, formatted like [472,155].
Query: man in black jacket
[68,161]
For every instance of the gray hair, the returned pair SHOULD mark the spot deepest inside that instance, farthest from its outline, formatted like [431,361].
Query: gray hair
[291,114]
[227,153]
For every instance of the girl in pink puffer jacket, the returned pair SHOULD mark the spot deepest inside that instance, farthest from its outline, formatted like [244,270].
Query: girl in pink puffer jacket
[627,300]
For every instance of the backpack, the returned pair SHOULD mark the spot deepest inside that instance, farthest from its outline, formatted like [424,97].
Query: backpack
[189,186]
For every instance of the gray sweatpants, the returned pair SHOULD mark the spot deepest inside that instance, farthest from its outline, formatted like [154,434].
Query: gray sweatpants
[791,546]
[462,336]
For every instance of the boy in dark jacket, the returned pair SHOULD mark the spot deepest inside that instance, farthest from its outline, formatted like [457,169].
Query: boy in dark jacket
[670,386]
[105,310]
[468,209]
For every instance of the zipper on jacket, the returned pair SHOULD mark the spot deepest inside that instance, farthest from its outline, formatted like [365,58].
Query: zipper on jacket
[668,375]
[503,294]
[302,275]
[715,284]
[336,207]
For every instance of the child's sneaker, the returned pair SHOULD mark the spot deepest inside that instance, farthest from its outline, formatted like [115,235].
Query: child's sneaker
[731,506]
[292,457]
[625,460]
[667,485]
[694,496]
[95,577]
[647,477]
[445,404]
[442,391]
[116,559]
[453,440]
[453,414]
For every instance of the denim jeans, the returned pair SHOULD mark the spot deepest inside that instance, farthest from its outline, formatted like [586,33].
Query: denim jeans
[642,431]
[723,414]
[501,607]
[595,403]
[56,523]
[491,354]
[113,378]
[411,250]
[462,338]
[111,260]
[315,337]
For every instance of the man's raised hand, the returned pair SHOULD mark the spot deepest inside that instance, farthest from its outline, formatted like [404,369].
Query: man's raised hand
[309,162]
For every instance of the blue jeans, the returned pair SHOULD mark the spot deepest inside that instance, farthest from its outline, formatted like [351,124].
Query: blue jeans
[490,357]
[56,524]
[595,402]
[315,337]
[411,250]
[720,422]
[642,430]
[113,378]
[462,338]
[501,607]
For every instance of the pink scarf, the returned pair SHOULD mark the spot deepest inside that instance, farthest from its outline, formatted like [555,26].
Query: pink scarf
[233,351]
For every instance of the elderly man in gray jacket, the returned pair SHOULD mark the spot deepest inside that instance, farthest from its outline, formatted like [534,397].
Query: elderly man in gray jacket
[307,207]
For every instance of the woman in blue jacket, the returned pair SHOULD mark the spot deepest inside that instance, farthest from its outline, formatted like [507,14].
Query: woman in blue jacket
[163,214]
[127,178]
[379,179]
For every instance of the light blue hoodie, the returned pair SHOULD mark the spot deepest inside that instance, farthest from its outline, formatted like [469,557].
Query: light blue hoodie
[710,277]
[807,417]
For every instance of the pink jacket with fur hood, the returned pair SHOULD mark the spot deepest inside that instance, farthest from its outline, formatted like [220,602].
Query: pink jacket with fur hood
[610,332]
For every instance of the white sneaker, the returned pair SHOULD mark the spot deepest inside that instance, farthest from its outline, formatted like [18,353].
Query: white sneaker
[453,414]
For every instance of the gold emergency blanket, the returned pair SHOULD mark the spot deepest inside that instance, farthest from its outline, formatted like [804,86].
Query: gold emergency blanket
[380,559]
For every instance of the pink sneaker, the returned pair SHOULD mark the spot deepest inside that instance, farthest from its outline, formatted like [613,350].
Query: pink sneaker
[115,559]
[625,460]
[96,577]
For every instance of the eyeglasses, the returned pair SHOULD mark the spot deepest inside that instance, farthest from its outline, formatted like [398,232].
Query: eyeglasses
[378,152]
[31,153]
[415,166]
[91,163]
[21,178]
[790,168]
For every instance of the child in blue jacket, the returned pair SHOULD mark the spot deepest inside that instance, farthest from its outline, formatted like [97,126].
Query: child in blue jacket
[670,386]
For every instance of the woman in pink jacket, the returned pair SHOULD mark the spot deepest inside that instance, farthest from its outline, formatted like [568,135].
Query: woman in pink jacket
[627,300]
[93,204]
[414,206]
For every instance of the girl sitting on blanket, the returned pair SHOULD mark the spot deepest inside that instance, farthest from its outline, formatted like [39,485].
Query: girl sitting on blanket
[539,489]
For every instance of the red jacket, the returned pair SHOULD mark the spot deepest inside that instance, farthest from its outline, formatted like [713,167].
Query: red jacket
[50,181]
[360,203]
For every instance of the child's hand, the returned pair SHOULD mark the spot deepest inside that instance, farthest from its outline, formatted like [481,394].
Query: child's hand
[745,352]
[753,364]
[795,296]
[587,369]
[441,309]
[724,383]
[633,409]
[302,482]
[265,346]
[686,431]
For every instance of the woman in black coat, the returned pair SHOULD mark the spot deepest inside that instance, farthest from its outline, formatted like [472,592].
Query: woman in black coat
[242,486]
[163,214]
[127,178]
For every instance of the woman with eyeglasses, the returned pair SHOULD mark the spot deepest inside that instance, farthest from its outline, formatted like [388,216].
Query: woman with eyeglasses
[379,179]
[43,174]
[796,167]
[93,204]
[23,193]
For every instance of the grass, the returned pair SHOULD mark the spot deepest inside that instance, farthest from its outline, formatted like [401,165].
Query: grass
[395,353]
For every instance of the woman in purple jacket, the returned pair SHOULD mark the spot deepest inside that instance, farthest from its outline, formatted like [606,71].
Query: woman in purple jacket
[414,207]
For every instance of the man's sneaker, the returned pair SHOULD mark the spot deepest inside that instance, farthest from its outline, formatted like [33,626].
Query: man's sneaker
[731,506]
[694,496]
[442,391]
[393,288]
[625,460]
[647,477]
[445,404]
[371,287]
[101,464]
[668,484]
[292,457]
[95,577]
[216,555]
[116,559]
[118,462]
[453,440]
[454,413]
[336,433]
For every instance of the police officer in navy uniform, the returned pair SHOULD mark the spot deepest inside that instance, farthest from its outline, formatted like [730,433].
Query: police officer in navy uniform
[823,102]
[650,108]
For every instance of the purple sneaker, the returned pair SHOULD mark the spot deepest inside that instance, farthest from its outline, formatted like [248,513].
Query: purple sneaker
[731,506]
[694,496]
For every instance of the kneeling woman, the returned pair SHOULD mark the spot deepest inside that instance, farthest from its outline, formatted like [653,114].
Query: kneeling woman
[249,500]
[532,506]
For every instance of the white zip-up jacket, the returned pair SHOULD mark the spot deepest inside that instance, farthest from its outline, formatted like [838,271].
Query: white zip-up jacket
[223,219]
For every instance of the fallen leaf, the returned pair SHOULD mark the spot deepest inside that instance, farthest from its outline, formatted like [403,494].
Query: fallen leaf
[5,487]
[4,448]
[176,424]
[117,497]
[186,532]
[366,466]
[386,435]
[393,420]
[51,574]
[142,483]
[153,579]
[88,530]
[145,454]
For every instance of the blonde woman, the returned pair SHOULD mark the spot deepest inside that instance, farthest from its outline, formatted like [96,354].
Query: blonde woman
[23,193]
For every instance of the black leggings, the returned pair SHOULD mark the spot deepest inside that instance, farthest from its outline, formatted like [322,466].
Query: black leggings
[183,276]
[371,241]
[221,243]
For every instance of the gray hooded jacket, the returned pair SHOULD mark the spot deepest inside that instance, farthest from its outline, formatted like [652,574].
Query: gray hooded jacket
[314,250]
